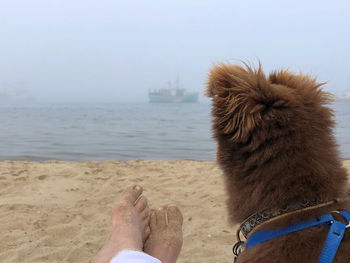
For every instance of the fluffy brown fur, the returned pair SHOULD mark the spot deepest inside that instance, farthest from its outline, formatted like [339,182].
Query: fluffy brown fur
[276,147]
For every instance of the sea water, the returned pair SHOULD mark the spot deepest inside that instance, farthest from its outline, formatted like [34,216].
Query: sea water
[120,131]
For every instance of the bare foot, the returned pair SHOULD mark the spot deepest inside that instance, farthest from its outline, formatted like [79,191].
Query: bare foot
[129,225]
[165,240]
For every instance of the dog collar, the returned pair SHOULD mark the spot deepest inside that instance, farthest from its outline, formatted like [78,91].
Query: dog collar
[335,233]
[257,219]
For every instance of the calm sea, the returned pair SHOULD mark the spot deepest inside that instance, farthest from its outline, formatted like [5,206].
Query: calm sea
[80,132]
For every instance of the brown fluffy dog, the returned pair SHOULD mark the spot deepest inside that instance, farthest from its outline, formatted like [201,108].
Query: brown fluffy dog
[276,147]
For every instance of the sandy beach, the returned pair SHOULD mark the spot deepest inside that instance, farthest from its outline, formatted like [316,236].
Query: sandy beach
[59,211]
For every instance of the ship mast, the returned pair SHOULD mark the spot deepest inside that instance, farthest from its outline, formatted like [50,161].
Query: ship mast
[177,84]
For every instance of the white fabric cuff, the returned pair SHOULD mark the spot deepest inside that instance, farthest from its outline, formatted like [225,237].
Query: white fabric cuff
[132,256]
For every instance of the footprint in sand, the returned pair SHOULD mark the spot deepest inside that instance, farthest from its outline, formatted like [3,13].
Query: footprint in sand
[42,177]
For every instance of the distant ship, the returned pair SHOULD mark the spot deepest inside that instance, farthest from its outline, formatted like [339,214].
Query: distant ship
[345,96]
[172,94]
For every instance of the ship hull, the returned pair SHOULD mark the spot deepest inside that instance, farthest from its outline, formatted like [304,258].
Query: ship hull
[160,99]
[192,97]
[187,98]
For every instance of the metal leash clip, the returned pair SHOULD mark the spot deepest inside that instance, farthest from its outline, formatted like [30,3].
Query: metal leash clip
[237,249]
[346,222]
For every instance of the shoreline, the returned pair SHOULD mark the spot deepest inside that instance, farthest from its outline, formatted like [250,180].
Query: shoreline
[119,161]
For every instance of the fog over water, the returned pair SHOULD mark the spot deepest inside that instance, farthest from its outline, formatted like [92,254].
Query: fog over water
[96,51]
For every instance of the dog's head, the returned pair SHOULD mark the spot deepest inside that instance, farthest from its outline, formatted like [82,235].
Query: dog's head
[245,101]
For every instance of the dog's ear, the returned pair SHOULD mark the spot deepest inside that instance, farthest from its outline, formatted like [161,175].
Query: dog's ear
[305,86]
[242,97]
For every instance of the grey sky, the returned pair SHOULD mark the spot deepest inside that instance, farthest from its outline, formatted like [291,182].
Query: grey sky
[83,50]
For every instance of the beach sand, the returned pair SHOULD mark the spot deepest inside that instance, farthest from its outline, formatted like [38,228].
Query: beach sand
[60,211]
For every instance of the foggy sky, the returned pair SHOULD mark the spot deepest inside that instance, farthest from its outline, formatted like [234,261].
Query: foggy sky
[83,50]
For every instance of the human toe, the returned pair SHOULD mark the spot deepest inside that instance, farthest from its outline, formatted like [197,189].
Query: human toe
[141,204]
[153,220]
[175,218]
[160,215]
[146,234]
[131,194]
[145,216]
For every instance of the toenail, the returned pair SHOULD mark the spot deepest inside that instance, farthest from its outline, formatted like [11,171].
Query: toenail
[173,208]
[137,187]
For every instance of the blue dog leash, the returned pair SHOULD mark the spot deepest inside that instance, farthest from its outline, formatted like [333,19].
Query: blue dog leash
[335,234]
